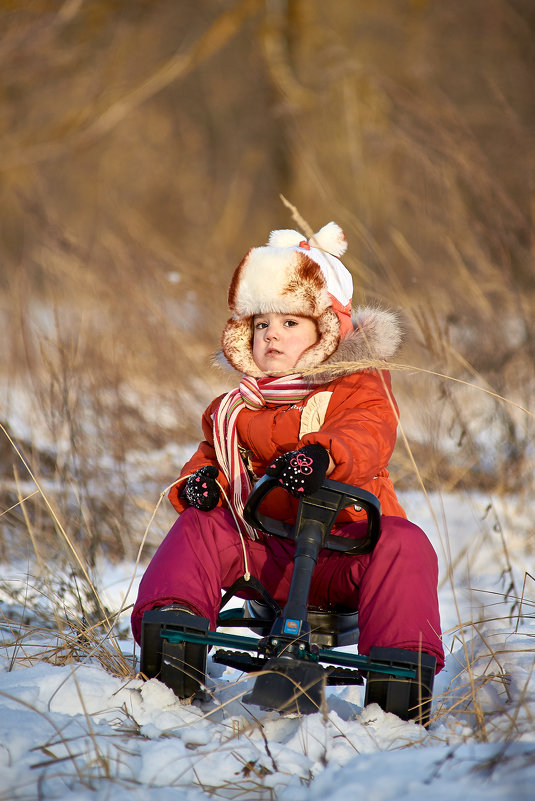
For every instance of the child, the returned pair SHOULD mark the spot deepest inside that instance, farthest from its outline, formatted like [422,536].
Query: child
[304,410]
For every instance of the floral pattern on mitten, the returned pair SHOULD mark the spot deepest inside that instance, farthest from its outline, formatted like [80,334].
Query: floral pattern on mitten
[301,472]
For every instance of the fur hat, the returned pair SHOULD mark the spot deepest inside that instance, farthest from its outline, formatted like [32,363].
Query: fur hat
[291,275]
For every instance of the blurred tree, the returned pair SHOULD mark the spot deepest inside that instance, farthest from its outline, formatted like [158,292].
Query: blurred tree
[144,146]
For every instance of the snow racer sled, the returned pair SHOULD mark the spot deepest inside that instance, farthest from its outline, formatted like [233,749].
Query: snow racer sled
[296,654]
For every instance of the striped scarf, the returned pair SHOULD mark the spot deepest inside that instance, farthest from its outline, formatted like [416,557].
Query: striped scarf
[251,394]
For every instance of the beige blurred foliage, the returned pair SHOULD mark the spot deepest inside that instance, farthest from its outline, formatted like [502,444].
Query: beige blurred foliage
[144,147]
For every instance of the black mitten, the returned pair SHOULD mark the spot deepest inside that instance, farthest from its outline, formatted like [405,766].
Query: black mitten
[301,472]
[201,490]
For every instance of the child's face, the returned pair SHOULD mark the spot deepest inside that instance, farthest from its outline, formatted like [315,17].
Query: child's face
[280,339]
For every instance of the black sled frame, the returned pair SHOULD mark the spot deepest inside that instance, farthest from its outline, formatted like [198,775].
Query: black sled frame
[292,668]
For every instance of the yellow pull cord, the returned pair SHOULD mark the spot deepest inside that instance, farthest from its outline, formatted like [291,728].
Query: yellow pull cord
[246,574]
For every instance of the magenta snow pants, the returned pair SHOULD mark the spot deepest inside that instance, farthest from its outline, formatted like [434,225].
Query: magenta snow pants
[394,588]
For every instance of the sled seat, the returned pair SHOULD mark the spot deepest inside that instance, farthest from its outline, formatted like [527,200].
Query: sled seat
[330,628]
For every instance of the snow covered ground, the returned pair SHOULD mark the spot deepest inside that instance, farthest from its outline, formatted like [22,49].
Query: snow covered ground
[77,731]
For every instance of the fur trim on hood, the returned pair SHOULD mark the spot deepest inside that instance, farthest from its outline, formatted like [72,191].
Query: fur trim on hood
[376,336]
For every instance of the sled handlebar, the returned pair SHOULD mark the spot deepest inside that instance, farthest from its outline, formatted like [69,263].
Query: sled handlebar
[321,508]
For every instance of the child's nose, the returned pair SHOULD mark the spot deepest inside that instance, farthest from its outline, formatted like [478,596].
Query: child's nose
[272,332]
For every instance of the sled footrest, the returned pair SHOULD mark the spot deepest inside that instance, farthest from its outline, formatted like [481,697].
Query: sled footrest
[341,676]
[240,660]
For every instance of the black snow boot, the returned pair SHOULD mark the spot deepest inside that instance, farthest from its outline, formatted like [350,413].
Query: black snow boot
[179,665]
[409,699]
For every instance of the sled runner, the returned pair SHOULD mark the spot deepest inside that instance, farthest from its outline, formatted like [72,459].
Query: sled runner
[296,654]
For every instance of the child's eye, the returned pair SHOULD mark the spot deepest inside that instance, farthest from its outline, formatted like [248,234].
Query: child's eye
[290,323]
[260,325]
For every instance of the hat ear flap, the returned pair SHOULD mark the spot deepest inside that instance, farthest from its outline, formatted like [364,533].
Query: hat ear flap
[331,239]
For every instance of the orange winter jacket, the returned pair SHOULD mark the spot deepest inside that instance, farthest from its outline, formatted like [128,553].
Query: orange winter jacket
[355,417]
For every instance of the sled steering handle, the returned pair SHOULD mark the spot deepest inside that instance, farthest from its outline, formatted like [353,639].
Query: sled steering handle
[322,508]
